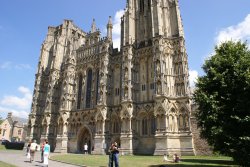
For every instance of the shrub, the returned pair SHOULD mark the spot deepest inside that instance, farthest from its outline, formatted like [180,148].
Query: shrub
[15,145]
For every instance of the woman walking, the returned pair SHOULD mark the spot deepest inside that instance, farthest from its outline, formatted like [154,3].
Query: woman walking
[46,154]
[28,150]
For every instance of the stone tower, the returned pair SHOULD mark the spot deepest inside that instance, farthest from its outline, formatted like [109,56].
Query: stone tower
[88,92]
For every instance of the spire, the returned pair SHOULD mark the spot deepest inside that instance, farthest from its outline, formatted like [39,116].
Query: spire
[93,26]
[110,21]
[109,28]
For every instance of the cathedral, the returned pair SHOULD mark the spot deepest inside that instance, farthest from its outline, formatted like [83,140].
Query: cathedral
[87,92]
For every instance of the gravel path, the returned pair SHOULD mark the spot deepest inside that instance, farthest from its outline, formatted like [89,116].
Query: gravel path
[19,159]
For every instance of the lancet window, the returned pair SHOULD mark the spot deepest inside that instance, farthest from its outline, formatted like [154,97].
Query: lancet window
[89,87]
[79,92]
[145,126]
[97,85]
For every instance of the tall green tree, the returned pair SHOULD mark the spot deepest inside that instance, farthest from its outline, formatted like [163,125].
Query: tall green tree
[1,120]
[223,97]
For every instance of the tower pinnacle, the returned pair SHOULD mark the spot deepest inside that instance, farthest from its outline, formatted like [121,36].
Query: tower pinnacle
[93,26]
[109,28]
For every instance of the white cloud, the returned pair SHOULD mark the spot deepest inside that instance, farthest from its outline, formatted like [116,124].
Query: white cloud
[23,66]
[17,113]
[24,90]
[117,22]
[193,75]
[9,65]
[19,106]
[116,43]
[117,28]
[19,102]
[5,65]
[241,31]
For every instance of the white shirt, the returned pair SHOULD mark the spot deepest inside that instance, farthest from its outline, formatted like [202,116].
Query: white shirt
[85,147]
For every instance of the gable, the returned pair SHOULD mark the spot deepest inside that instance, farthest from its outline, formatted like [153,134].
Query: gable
[5,124]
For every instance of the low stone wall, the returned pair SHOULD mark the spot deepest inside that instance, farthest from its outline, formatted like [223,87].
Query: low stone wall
[200,145]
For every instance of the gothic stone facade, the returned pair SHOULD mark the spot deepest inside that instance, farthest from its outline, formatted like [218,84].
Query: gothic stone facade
[88,92]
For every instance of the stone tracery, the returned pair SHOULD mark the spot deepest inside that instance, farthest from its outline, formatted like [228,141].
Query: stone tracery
[88,91]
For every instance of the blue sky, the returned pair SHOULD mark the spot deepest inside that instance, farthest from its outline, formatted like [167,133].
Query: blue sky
[23,27]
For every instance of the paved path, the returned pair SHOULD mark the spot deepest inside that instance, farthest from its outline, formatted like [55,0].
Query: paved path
[19,159]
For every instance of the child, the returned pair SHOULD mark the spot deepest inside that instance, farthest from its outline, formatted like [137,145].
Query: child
[28,150]
[165,158]
[176,158]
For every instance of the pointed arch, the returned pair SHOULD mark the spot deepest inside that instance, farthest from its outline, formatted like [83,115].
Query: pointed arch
[84,135]
[79,96]
[44,126]
[152,122]
[60,126]
[99,123]
[88,88]
[115,124]
[172,108]
[97,85]
[183,119]
[143,123]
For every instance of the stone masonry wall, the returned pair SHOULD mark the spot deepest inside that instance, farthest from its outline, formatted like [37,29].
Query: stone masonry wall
[200,145]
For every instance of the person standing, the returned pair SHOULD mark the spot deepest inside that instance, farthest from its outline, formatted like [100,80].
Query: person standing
[28,150]
[33,147]
[46,152]
[85,148]
[111,155]
[42,150]
[116,154]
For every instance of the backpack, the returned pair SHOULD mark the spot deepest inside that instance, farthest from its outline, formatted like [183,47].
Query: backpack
[33,147]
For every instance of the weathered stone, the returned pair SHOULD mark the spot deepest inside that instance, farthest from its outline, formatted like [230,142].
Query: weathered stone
[86,91]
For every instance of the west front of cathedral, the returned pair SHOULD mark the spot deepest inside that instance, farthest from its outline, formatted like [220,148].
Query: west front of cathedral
[86,91]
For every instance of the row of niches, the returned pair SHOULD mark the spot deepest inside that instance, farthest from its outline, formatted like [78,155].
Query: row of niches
[95,50]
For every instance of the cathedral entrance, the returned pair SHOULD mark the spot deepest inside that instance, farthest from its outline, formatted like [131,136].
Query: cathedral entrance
[84,136]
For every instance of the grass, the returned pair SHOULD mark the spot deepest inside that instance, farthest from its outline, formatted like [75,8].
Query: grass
[2,147]
[145,161]
[3,164]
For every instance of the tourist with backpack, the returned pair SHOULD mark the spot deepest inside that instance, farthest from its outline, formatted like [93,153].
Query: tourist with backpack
[33,148]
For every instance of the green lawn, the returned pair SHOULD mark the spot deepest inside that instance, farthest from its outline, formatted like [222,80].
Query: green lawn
[2,164]
[144,161]
[2,147]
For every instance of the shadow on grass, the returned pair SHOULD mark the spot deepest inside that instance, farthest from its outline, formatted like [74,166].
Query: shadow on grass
[179,165]
[198,162]
[212,161]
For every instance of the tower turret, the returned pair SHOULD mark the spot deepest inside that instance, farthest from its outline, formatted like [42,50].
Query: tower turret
[93,26]
[109,28]
[144,19]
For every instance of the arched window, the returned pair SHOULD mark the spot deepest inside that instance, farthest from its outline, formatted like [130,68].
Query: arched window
[141,5]
[60,127]
[44,130]
[19,132]
[145,126]
[149,4]
[115,126]
[97,85]
[79,92]
[153,125]
[89,87]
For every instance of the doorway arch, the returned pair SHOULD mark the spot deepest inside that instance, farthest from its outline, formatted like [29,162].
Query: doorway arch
[84,136]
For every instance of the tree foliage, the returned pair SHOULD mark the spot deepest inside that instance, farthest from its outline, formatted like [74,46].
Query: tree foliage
[1,120]
[223,97]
